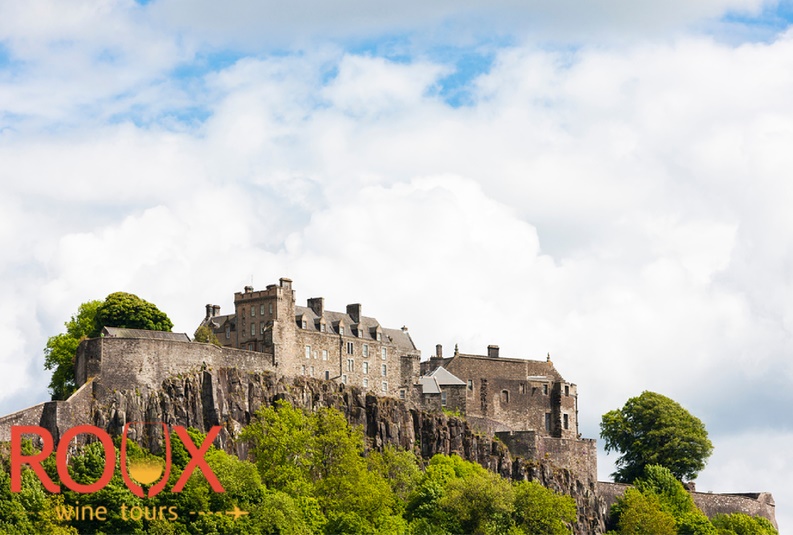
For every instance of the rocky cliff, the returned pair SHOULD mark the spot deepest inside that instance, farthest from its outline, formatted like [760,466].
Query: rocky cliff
[229,398]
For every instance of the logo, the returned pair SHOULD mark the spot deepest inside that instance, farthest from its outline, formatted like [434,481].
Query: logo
[145,472]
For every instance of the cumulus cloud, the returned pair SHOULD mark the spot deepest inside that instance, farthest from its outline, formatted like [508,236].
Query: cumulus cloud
[624,209]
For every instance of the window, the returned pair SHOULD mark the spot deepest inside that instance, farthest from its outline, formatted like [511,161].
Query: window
[324,354]
[360,332]
[443,399]
[365,350]
[566,421]
[470,384]
[350,365]
[341,331]
[261,310]
[322,327]
[545,390]
[344,379]
[547,422]
[379,336]
[253,311]
[253,329]
[303,369]
[304,324]
[271,309]
[522,388]
[308,352]
[566,392]
[262,327]
[314,354]
[384,386]
[402,393]
[384,370]
[228,332]
[250,347]
[505,396]
[349,348]
[312,371]
[383,353]
[327,375]
[365,367]
[366,382]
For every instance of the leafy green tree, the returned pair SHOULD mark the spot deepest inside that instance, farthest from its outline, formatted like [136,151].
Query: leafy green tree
[641,514]
[205,335]
[742,524]
[541,510]
[119,309]
[653,429]
[122,309]
[61,349]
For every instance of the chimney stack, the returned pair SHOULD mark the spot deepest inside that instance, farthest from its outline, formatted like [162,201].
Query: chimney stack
[215,310]
[354,311]
[317,304]
[438,351]
[248,289]
[492,351]
[209,312]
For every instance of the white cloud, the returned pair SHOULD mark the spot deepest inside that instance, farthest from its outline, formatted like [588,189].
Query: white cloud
[626,210]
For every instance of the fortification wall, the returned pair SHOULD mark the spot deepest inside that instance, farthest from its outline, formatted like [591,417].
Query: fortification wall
[753,504]
[119,362]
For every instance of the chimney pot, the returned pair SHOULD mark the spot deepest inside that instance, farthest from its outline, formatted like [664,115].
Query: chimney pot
[248,289]
[209,312]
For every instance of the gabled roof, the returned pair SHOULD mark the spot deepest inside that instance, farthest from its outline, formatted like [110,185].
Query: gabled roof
[445,377]
[123,332]
[440,377]
[429,385]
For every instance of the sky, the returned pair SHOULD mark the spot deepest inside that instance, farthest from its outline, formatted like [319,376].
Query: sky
[607,182]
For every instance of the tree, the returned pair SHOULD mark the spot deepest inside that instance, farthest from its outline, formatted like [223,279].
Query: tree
[653,429]
[541,510]
[205,335]
[119,309]
[122,309]
[61,349]
[641,514]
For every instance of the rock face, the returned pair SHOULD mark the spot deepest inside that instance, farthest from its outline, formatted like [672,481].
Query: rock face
[230,397]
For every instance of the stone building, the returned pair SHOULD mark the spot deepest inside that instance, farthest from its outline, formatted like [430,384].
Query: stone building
[312,341]
[503,394]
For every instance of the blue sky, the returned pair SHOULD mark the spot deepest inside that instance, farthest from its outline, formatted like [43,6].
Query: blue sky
[605,181]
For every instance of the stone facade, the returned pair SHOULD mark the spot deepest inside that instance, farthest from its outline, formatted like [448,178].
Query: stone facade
[504,394]
[310,341]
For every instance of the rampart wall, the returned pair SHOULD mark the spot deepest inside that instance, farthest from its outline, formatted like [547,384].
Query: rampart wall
[119,362]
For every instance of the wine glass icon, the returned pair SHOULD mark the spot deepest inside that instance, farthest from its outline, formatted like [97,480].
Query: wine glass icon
[145,471]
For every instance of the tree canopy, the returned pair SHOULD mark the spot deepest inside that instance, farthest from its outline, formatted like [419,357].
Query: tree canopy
[652,429]
[119,309]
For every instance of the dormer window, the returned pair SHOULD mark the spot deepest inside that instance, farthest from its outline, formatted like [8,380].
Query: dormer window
[304,324]
[379,336]
[341,330]
[322,327]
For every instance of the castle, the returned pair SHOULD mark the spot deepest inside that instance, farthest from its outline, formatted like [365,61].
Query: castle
[497,394]
[271,348]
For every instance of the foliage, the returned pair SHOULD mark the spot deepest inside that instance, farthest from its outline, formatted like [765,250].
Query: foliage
[119,309]
[122,309]
[660,482]
[742,524]
[205,335]
[61,349]
[653,429]
[540,510]
[641,514]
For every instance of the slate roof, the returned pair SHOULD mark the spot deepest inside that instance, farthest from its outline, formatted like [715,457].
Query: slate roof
[122,332]
[432,383]
[445,377]
[395,336]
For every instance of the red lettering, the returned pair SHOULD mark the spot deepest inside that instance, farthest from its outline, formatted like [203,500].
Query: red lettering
[63,468]
[17,459]
[197,459]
